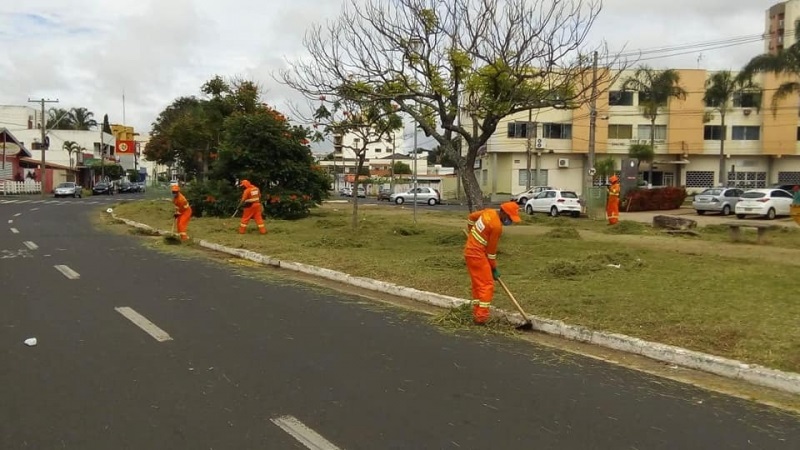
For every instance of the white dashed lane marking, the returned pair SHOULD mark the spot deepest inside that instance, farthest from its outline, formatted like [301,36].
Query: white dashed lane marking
[305,435]
[142,322]
[30,245]
[14,230]
[10,221]
[67,272]
[17,214]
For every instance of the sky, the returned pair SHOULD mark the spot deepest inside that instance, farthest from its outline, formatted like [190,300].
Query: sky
[87,53]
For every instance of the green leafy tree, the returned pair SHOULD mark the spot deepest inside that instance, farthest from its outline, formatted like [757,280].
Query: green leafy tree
[441,59]
[656,88]
[71,147]
[604,167]
[82,119]
[439,156]
[353,112]
[786,62]
[721,87]
[59,119]
[641,153]
[401,168]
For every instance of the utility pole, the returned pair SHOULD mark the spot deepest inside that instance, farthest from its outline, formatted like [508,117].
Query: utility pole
[391,169]
[415,171]
[529,135]
[592,132]
[43,168]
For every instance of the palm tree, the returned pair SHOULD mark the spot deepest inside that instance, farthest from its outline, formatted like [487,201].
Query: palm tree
[604,167]
[82,119]
[641,153]
[71,147]
[655,89]
[786,62]
[59,119]
[720,90]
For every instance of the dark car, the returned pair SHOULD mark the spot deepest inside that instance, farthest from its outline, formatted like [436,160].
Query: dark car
[785,187]
[103,189]
[384,194]
[126,187]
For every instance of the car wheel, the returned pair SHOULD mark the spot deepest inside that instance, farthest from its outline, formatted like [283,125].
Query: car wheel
[554,211]
[740,216]
[432,201]
[399,200]
[575,214]
[523,200]
[529,209]
[700,213]
[75,195]
[726,210]
[771,214]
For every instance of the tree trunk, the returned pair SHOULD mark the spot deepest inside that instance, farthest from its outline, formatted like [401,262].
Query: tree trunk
[359,165]
[652,147]
[722,174]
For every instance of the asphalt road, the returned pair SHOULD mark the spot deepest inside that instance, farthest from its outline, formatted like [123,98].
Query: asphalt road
[140,349]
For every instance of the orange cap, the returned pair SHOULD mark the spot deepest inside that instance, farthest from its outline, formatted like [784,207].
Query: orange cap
[613,179]
[512,209]
[175,188]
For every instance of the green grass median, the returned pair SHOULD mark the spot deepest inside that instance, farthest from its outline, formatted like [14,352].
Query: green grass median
[702,293]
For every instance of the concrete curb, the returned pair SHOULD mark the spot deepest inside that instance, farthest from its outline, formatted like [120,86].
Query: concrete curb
[752,373]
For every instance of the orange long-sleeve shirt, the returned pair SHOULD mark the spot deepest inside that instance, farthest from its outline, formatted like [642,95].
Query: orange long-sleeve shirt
[251,195]
[485,229]
[181,204]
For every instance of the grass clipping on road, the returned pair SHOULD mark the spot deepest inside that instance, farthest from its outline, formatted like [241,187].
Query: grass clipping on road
[630,280]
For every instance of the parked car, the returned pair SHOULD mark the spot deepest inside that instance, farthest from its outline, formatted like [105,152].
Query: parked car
[361,192]
[346,192]
[768,203]
[721,200]
[140,186]
[384,194]
[126,187]
[785,187]
[554,202]
[523,197]
[103,188]
[68,189]
[424,195]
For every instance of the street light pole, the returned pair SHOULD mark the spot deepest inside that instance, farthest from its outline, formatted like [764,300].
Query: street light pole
[415,171]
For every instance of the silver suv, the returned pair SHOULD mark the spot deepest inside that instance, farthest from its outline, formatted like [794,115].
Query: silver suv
[424,195]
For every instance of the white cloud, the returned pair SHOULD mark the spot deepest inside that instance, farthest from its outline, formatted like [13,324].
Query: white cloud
[85,52]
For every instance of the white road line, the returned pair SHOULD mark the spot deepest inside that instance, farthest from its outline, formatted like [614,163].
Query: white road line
[10,221]
[14,230]
[34,209]
[51,202]
[17,214]
[305,435]
[142,322]
[30,245]
[38,201]
[69,273]
[6,202]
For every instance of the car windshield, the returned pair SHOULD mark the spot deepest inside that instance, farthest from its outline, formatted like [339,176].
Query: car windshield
[711,192]
[66,185]
[568,194]
[753,195]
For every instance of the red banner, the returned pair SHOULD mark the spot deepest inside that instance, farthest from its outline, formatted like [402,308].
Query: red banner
[126,147]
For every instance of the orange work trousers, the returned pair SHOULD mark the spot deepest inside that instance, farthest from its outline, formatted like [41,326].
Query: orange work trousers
[482,285]
[612,210]
[253,212]
[183,223]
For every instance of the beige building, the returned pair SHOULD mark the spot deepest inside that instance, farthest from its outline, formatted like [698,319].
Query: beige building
[761,148]
[781,22]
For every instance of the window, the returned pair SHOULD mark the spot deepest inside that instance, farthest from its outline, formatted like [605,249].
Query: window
[699,178]
[644,97]
[523,177]
[747,180]
[643,131]
[733,193]
[746,99]
[620,98]
[520,130]
[781,194]
[377,150]
[337,140]
[620,131]
[557,131]
[484,176]
[798,133]
[789,177]
[746,133]
[712,132]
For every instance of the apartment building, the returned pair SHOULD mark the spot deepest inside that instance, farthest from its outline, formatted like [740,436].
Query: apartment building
[761,147]
[781,23]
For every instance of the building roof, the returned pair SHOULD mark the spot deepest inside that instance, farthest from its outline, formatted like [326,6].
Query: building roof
[6,136]
[46,163]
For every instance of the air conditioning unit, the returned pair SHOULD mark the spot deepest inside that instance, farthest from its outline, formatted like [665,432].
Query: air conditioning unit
[563,162]
[746,112]
[540,144]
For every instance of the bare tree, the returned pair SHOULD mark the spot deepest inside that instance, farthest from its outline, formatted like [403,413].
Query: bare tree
[440,59]
[353,113]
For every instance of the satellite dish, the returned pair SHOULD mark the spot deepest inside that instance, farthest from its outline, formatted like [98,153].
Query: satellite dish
[481,151]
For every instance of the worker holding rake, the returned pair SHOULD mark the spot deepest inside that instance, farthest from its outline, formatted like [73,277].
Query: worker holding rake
[251,199]
[612,204]
[484,229]
[183,212]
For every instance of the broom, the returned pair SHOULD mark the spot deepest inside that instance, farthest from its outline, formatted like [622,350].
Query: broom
[172,239]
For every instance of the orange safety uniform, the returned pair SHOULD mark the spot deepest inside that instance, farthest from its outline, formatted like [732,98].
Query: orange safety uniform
[183,213]
[612,205]
[251,197]
[483,235]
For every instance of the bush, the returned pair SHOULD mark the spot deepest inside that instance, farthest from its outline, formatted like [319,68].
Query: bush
[288,205]
[219,198]
[658,199]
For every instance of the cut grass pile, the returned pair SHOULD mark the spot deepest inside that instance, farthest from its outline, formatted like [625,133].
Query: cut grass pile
[627,279]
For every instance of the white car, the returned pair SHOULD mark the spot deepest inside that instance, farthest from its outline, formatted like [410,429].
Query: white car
[424,195]
[555,203]
[523,197]
[68,189]
[764,202]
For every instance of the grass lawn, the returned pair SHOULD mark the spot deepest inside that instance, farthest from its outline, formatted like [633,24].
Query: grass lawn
[702,293]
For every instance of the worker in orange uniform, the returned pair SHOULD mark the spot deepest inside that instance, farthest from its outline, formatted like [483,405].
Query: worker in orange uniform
[251,198]
[183,212]
[483,234]
[612,203]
